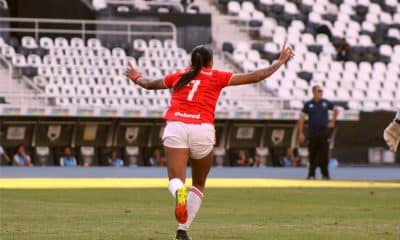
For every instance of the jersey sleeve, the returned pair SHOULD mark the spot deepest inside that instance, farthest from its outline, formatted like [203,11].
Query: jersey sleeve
[331,106]
[223,78]
[170,79]
[305,108]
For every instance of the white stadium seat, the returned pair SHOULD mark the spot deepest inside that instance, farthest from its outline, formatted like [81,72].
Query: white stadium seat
[61,42]
[19,60]
[29,42]
[77,43]
[234,8]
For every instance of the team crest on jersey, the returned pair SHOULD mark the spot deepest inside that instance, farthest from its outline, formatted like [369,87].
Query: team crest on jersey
[324,104]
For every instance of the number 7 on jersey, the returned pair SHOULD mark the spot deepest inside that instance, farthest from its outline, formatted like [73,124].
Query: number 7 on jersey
[196,84]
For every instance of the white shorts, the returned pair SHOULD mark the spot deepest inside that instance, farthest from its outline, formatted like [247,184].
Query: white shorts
[199,138]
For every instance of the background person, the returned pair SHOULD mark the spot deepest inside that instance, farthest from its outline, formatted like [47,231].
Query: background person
[317,110]
[67,159]
[291,158]
[115,160]
[243,160]
[157,158]
[21,158]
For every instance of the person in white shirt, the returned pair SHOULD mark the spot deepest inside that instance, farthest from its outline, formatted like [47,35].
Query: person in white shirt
[21,158]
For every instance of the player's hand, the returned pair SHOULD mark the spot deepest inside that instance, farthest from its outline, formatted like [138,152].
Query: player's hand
[331,124]
[286,53]
[302,138]
[132,72]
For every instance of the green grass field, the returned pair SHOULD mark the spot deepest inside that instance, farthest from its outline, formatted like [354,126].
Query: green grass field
[144,214]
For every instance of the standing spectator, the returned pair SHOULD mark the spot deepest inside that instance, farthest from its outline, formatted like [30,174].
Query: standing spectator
[115,160]
[318,134]
[67,159]
[157,159]
[3,154]
[21,158]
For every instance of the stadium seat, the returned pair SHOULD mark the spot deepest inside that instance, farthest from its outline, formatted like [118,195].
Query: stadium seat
[7,51]
[155,44]
[93,43]
[234,8]
[140,44]
[61,43]
[34,60]
[19,60]
[77,43]
[29,42]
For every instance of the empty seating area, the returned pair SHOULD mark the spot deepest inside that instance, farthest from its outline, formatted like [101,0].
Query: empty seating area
[75,72]
[154,6]
[79,73]
[366,78]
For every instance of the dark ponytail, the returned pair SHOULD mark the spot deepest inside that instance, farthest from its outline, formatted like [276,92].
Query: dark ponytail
[201,57]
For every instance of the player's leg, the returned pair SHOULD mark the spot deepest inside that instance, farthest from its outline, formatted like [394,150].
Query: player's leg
[324,156]
[177,159]
[200,169]
[201,144]
[177,155]
[312,155]
[392,133]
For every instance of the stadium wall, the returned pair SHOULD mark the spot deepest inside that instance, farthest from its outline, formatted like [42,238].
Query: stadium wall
[352,139]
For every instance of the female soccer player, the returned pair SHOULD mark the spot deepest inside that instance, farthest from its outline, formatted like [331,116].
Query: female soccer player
[189,131]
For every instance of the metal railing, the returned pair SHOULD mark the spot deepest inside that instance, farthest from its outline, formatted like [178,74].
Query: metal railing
[268,102]
[130,29]
[152,3]
[19,98]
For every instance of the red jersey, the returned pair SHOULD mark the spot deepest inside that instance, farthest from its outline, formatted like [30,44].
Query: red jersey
[195,103]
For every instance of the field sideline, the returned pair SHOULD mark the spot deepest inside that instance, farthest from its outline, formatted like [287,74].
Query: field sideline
[239,214]
[235,208]
[76,183]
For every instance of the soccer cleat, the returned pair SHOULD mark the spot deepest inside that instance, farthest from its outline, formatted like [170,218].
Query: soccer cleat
[181,212]
[182,235]
[392,135]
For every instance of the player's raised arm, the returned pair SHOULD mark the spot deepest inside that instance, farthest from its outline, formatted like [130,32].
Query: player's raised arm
[261,74]
[133,74]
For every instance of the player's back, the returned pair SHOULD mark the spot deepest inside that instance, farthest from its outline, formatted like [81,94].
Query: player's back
[195,102]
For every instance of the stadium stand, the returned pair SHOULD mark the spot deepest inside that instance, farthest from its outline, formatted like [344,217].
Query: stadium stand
[75,73]
[367,81]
